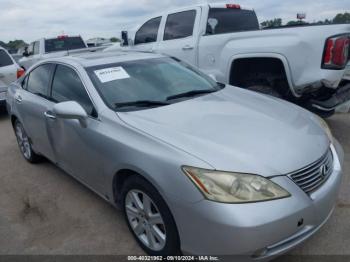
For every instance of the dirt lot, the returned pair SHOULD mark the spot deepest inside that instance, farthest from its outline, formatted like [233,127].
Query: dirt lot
[45,211]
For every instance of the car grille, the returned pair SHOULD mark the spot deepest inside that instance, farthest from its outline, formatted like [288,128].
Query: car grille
[313,176]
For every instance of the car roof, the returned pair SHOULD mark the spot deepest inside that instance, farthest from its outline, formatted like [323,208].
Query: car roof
[89,59]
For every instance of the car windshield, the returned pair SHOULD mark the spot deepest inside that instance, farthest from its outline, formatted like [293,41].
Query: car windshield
[63,44]
[227,20]
[154,82]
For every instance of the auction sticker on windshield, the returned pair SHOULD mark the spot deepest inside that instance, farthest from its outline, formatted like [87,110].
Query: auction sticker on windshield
[111,74]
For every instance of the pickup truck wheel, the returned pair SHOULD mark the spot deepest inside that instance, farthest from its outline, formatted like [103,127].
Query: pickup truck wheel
[149,218]
[268,90]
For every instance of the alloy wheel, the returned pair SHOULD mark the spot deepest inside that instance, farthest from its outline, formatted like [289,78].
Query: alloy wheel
[145,220]
[23,141]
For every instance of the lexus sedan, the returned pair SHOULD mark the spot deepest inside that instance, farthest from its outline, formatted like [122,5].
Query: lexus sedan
[199,167]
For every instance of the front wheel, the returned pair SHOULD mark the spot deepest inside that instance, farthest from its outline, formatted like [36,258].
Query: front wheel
[149,218]
[24,144]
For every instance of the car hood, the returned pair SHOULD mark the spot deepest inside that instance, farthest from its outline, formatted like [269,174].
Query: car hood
[237,130]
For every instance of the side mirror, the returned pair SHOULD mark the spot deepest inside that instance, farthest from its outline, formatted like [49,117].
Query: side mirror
[125,38]
[25,54]
[71,110]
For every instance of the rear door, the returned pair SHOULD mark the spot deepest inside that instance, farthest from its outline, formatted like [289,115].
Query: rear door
[8,69]
[147,35]
[32,103]
[180,35]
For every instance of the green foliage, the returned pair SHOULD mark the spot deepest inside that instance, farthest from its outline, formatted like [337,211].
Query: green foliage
[13,45]
[342,18]
[291,23]
[114,39]
[277,22]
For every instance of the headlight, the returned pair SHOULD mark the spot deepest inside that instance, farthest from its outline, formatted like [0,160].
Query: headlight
[326,128]
[230,187]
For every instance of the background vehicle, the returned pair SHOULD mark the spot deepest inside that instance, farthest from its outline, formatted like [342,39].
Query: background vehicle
[298,64]
[180,152]
[347,73]
[9,72]
[54,47]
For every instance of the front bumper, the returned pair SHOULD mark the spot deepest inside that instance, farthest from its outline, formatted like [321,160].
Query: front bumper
[257,230]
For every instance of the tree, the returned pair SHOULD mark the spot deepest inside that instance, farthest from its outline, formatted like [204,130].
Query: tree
[294,23]
[13,45]
[277,22]
[342,18]
[114,39]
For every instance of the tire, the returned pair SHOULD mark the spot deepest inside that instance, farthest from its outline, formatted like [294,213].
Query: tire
[154,228]
[267,90]
[24,144]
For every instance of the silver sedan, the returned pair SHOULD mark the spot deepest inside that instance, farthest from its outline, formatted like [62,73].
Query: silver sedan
[199,167]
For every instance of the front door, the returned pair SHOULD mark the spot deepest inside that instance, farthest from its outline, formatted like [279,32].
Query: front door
[77,149]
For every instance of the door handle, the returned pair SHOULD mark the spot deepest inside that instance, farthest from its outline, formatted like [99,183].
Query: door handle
[49,115]
[187,47]
[19,99]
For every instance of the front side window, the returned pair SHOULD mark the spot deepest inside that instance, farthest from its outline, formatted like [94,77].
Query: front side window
[148,32]
[5,59]
[38,80]
[31,49]
[179,25]
[158,79]
[227,20]
[67,86]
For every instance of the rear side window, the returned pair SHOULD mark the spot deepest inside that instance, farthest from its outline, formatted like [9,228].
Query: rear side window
[64,44]
[179,25]
[5,59]
[38,81]
[67,86]
[148,31]
[226,20]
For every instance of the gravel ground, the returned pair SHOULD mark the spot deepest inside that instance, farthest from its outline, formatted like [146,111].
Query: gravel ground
[45,211]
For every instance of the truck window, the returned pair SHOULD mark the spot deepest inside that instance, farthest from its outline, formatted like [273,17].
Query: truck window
[227,20]
[31,49]
[63,44]
[36,48]
[148,32]
[5,59]
[179,25]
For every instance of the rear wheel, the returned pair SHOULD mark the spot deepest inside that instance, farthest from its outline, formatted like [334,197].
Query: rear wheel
[149,218]
[24,144]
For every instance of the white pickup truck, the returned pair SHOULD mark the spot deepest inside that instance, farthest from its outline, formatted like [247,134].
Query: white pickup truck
[54,47]
[303,64]
[9,72]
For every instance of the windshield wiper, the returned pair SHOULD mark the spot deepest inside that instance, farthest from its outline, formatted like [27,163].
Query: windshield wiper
[142,103]
[191,93]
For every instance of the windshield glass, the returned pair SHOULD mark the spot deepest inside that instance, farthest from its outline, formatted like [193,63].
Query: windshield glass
[63,44]
[227,20]
[151,82]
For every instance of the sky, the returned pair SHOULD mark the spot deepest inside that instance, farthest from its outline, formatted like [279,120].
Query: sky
[33,19]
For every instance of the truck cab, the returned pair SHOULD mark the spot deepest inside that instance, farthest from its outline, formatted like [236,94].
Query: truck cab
[51,47]
[298,64]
